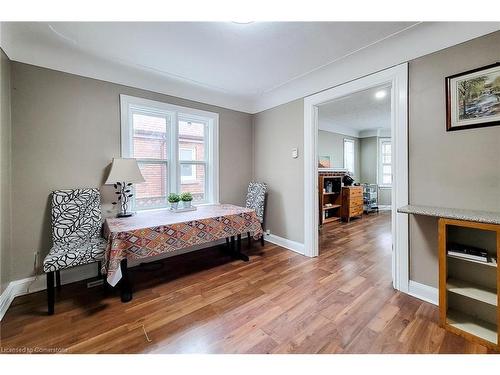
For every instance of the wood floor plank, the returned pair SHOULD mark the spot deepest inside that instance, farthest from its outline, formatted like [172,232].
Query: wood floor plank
[279,302]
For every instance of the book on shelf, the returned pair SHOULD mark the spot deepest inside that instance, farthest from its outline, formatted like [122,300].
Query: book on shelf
[468,252]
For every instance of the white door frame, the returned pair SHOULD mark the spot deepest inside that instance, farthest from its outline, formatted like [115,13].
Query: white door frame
[397,76]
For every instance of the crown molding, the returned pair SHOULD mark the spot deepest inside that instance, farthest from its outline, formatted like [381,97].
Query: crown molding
[415,42]
[423,39]
[74,61]
[327,126]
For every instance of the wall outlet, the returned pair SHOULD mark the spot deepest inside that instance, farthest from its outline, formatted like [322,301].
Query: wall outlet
[268,231]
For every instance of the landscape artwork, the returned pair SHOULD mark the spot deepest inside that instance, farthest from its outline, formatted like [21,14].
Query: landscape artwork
[473,98]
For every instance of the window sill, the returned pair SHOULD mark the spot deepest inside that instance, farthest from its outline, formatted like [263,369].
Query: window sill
[385,187]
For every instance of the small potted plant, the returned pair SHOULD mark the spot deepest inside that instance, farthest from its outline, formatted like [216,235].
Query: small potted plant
[173,199]
[186,199]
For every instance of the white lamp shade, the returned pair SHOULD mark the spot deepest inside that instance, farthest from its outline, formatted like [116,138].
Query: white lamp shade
[124,170]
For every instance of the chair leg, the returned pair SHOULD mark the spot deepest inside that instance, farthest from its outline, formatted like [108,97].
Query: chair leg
[99,274]
[249,239]
[50,292]
[58,280]
[262,239]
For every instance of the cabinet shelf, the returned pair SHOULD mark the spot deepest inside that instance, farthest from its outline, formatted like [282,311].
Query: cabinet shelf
[331,207]
[474,291]
[330,219]
[474,326]
[489,264]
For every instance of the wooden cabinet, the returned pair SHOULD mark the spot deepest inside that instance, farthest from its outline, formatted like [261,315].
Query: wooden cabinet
[468,288]
[352,202]
[329,198]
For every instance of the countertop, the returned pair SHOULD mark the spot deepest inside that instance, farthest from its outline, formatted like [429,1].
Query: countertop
[452,213]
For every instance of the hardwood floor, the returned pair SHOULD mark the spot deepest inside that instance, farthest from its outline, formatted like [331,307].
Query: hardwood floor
[279,302]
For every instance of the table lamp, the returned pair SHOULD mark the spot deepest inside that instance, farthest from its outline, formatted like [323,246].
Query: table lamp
[124,172]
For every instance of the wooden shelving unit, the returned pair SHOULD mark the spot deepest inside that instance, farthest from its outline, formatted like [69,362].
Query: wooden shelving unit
[468,289]
[330,201]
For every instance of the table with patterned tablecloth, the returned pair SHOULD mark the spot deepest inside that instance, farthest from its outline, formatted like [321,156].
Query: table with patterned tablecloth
[152,233]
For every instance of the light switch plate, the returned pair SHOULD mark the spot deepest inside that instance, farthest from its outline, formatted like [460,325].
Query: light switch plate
[295,153]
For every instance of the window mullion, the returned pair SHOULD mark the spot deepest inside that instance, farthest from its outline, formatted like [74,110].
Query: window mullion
[174,171]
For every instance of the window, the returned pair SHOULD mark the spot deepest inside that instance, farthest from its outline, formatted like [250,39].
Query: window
[349,155]
[176,148]
[385,162]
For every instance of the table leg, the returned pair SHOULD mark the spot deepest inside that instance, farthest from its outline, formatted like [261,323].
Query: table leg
[233,245]
[125,285]
[237,253]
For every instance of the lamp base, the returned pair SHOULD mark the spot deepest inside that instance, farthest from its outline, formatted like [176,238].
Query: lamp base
[126,214]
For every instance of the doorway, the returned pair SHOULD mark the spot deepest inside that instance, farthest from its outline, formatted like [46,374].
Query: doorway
[396,82]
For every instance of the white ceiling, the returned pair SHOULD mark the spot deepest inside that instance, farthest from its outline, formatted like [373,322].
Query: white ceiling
[238,66]
[356,113]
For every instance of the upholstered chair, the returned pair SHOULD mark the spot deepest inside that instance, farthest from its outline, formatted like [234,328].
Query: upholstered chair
[76,235]
[256,200]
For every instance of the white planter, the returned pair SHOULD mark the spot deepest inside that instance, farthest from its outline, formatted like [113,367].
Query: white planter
[173,206]
[186,204]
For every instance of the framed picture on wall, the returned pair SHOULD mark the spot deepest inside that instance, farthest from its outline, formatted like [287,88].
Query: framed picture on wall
[473,98]
[324,162]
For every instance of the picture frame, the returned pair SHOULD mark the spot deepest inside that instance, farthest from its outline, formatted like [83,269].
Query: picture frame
[324,162]
[473,98]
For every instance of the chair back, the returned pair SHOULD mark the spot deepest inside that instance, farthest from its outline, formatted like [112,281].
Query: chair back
[256,198]
[76,215]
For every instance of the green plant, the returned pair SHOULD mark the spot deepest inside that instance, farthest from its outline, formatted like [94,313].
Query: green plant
[186,197]
[173,198]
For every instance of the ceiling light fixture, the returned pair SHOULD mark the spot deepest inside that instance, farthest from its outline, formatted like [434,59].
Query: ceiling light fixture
[243,21]
[380,94]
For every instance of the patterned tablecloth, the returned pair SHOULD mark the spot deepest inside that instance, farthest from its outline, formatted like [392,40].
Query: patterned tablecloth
[151,233]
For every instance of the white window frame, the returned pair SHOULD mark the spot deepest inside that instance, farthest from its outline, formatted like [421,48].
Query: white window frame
[349,140]
[131,104]
[380,163]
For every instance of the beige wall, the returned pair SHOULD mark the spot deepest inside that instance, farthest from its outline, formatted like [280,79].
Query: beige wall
[369,151]
[66,130]
[458,169]
[369,160]
[5,170]
[276,132]
[332,144]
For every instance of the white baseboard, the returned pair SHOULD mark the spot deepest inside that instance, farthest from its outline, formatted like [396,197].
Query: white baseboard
[286,243]
[424,292]
[34,284]
[384,207]
[37,283]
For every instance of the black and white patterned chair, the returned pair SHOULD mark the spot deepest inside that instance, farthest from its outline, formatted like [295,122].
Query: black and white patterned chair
[76,235]
[256,200]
